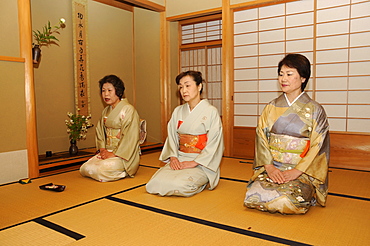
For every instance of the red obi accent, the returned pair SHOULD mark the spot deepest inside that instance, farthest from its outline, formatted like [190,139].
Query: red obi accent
[202,141]
[179,124]
[304,153]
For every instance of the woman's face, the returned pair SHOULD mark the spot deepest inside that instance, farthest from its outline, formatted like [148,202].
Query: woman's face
[108,93]
[189,89]
[290,81]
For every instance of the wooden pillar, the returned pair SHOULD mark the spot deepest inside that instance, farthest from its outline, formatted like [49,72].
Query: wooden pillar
[25,33]
[227,76]
[164,75]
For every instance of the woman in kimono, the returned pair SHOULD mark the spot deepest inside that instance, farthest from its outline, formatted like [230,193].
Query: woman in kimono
[117,136]
[292,147]
[194,146]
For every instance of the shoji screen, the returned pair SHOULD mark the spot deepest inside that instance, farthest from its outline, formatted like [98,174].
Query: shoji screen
[208,61]
[201,51]
[334,35]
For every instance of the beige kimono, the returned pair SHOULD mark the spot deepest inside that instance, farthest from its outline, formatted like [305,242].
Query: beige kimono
[118,132]
[203,119]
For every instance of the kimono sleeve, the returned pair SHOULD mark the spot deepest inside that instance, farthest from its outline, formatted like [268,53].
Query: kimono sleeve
[129,141]
[211,155]
[100,132]
[316,161]
[171,145]
[262,151]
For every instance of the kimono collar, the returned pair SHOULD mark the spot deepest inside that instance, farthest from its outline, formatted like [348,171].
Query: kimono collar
[195,105]
[291,103]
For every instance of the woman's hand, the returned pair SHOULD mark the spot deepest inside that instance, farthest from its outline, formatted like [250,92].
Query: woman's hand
[291,174]
[188,164]
[275,174]
[175,163]
[105,154]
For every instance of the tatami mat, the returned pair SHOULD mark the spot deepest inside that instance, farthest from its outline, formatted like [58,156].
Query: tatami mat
[27,201]
[110,223]
[33,234]
[348,218]
[121,212]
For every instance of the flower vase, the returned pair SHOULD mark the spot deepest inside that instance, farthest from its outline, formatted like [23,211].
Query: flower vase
[73,150]
[36,54]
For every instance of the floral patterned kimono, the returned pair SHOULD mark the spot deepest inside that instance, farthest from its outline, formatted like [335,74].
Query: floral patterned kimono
[192,136]
[295,136]
[118,132]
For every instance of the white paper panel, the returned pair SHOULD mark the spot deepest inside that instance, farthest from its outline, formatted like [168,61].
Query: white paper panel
[270,60]
[339,97]
[360,54]
[273,10]
[359,68]
[359,111]
[336,110]
[273,23]
[248,50]
[245,109]
[272,48]
[337,83]
[299,19]
[266,97]
[269,85]
[360,25]
[339,55]
[359,97]
[332,28]
[245,86]
[359,39]
[299,46]
[299,6]
[299,32]
[339,13]
[331,3]
[243,27]
[245,97]
[245,39]
[332,42]
[246,62]
[361,9]
[340,69]
[275,35]
[337,124]
[268,73]
[246,74]
[362,82]
[355,125]
[247,121]
[248,14]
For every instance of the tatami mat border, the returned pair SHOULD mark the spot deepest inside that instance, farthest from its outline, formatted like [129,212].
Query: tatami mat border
[59,229]
[208,223]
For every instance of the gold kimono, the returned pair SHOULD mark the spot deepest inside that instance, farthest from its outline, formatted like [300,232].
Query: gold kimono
[118,132]
[295,136]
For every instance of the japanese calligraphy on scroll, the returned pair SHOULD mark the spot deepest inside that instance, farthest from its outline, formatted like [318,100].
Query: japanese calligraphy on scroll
[82,94]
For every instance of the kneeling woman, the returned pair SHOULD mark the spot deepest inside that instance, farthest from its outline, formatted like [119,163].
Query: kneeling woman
[117,136]
[194,146]
[292,146]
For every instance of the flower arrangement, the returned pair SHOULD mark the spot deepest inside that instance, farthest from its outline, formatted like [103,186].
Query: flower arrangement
[46,36]
[77,125]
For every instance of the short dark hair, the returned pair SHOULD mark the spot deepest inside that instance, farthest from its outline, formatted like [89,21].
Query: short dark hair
[196,75]
[299,62]
[116,82]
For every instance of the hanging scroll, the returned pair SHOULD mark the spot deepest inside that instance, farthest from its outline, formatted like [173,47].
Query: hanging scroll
[82,93]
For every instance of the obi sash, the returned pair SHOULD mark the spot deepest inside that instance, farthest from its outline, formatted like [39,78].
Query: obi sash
[288,149]
[192,143]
